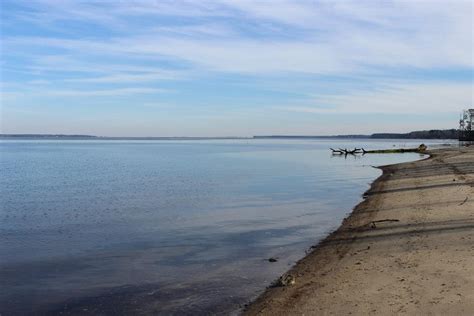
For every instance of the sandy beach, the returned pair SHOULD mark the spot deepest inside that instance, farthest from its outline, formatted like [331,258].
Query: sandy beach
[408,248]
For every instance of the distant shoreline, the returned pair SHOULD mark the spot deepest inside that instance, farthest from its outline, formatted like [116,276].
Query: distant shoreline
[431,134]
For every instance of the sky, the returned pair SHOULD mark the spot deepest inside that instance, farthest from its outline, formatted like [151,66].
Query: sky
[234,67]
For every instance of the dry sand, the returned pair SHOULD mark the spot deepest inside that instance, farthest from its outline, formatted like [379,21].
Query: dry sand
[420,264]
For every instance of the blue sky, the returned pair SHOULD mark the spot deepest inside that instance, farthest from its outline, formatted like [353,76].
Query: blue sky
[240,68]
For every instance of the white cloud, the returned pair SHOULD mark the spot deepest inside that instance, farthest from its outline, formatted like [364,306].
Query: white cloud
[394,99]
[125,78]
[107,92]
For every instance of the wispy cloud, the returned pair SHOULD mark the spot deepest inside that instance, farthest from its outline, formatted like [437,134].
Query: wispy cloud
[124,78]
[326,37]
[397,99]
[101,93]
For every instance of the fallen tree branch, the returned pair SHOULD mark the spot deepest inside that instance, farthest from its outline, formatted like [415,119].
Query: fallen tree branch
[339,152]
[420,149]
[372,224]
[464,202]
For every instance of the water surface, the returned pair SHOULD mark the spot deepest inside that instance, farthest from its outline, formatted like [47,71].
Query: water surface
[166,227]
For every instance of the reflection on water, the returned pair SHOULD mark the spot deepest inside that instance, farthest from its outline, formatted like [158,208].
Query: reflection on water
[165,226]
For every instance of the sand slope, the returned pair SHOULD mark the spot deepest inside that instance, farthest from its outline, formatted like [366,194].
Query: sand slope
[422,263]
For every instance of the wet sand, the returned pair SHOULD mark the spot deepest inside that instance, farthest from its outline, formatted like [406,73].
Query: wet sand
[408,248]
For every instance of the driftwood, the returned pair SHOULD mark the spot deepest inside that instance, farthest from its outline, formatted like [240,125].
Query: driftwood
[345,151]
[372,224]
[337,152]
[420,149]
[394,151]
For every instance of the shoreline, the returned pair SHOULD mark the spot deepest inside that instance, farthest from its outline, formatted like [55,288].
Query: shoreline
[374,262]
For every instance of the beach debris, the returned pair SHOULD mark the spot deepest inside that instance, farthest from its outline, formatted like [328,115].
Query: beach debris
[272,259]
[345,151]
[286,280]
[465,200]
[373,223]
[310,249]
[339,152]
[422,148]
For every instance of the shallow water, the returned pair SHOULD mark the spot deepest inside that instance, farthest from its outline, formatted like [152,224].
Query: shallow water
[166,226]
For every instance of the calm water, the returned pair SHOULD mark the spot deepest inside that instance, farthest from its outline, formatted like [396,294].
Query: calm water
[166,226]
